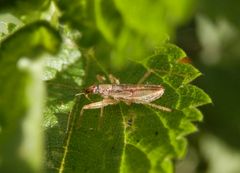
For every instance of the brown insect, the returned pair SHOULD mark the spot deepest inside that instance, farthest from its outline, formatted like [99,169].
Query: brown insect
[127,93]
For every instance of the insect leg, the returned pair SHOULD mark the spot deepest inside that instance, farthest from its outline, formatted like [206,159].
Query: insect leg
[113,79]
[100,78]
[145,76]
[98,105]
[101,118]
[157,106]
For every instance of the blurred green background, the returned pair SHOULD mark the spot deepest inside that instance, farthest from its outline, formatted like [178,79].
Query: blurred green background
[212,40]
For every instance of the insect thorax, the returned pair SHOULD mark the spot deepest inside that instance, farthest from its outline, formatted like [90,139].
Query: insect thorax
[104,89]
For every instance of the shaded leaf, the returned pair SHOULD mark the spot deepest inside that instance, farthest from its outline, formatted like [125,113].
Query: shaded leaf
[21,72]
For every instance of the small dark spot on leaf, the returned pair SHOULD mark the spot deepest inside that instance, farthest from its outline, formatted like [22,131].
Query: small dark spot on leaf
[137,140]
[130,122]
[156,133]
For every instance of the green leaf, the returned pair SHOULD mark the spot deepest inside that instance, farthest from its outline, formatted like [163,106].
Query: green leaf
[9,24]
[192,96]
[144,14]
[131,33]
[22,96]
[167,64]
[81,15]
[120,38]
[127,138]
[108,19]
[27,10]
[63,76]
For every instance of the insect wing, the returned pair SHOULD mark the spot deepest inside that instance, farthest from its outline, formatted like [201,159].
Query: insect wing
[121,94]
[137,93]
[147,95]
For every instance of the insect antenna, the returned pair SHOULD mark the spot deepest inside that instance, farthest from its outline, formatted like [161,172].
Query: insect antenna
[83,93]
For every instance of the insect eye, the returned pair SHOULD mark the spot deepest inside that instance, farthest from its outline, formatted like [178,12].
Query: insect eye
[88,90]
[91,89]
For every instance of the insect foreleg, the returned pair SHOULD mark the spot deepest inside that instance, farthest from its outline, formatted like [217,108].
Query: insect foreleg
[100,104]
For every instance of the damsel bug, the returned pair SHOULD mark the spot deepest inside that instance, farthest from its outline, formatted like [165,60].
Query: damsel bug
[127,93]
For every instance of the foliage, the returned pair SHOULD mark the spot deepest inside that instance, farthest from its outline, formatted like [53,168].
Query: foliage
[104,38]
[21,84]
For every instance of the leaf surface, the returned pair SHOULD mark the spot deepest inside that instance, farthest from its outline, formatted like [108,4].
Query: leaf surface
[129,137]
[21,83]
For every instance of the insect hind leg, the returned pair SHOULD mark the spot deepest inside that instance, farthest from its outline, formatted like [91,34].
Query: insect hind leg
[162,108]
[145,76]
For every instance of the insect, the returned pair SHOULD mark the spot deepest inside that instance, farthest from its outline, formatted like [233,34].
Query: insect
[128,93]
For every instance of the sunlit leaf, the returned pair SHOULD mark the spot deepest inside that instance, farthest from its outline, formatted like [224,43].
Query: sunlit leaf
[127,137]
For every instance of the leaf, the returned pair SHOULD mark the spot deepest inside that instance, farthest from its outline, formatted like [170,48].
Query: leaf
[63,77]
[9,24]
[127,138]
[168,64]
[84,21]
[21,139]
[108,19]
[192,96]
[27,10]
[132,34]
[114,37]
